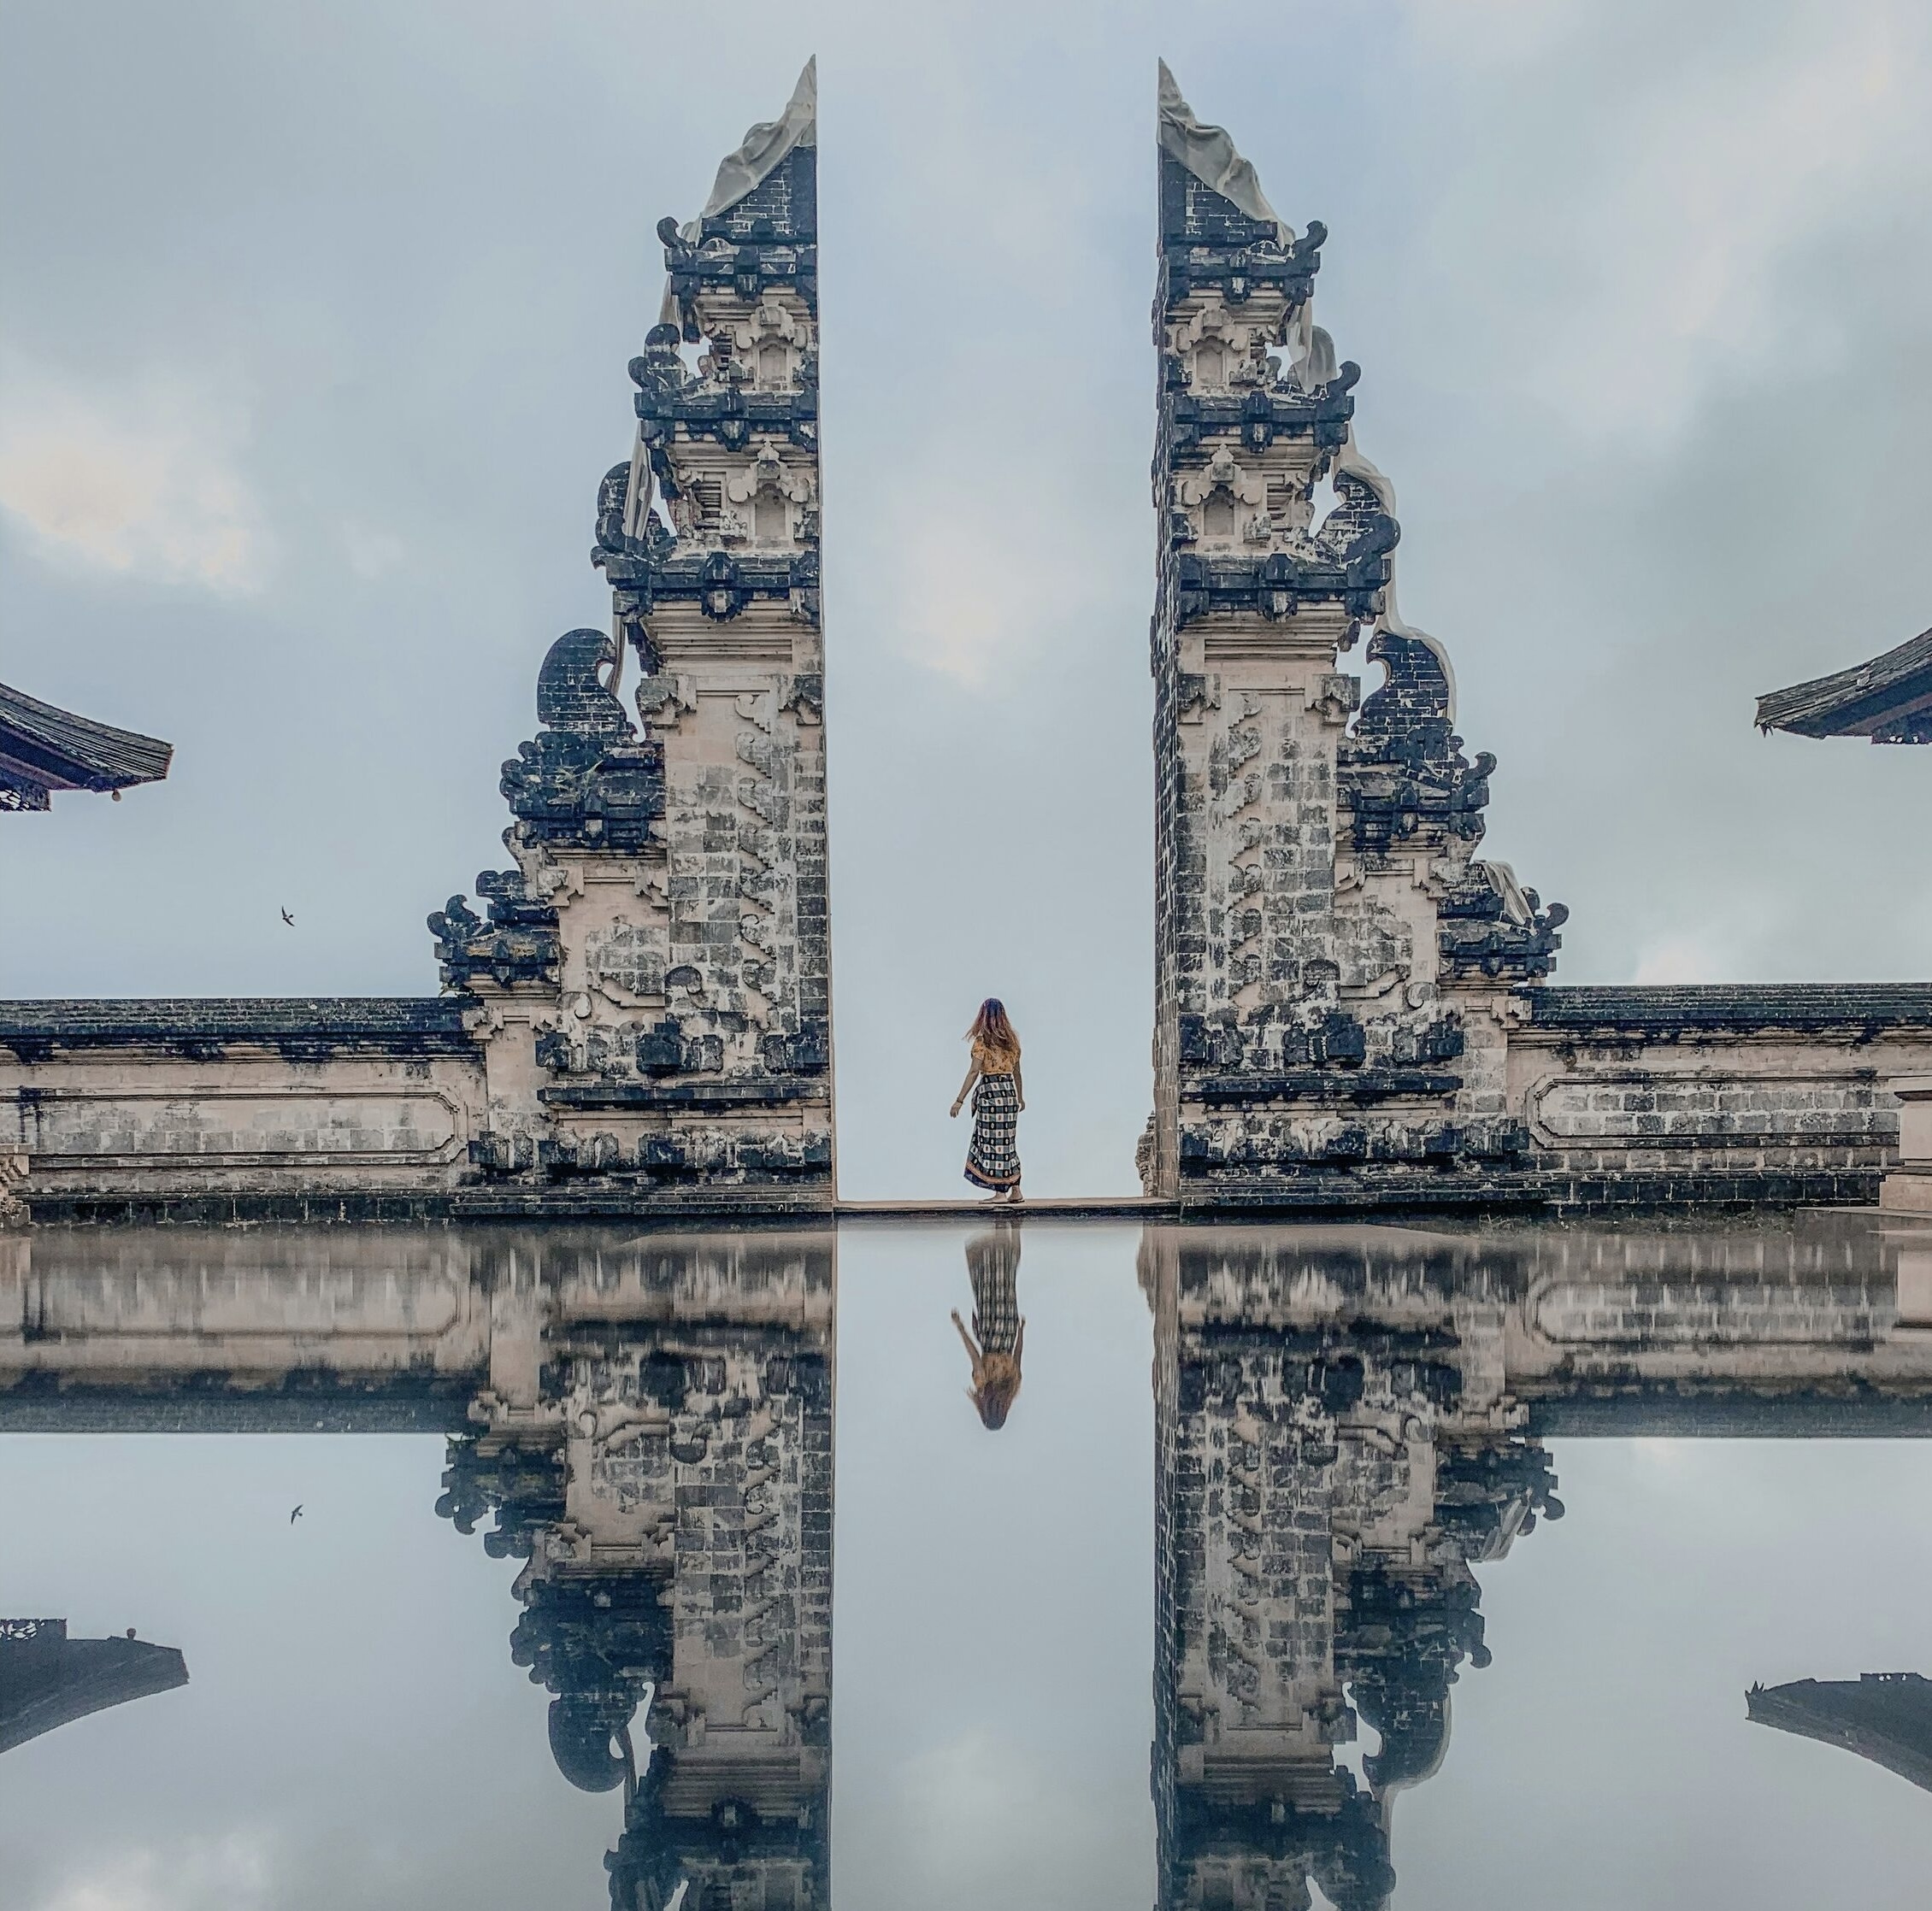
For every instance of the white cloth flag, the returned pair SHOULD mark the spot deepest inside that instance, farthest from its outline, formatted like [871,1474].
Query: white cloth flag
[1209,154]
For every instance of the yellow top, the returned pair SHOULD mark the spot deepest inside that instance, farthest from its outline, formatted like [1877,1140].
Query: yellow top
[991,1061]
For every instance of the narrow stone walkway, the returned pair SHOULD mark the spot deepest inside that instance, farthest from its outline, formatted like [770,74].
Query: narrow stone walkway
[1085,1208]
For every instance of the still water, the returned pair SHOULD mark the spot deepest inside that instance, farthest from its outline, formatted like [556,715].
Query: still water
[1254,1568]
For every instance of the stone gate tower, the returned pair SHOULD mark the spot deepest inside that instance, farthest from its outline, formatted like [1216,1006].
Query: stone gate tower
[653,981]
[1335,971]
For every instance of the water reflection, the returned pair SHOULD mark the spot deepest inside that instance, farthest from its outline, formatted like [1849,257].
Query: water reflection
[658,1446]
[998,1342]
[647,1425]
[1886,1717]
[1350,1432]
[1327,1471]
[49,1679]
[1350,1421]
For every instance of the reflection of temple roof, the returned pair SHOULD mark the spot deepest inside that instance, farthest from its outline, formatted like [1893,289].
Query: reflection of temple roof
[1886,1717]
[1888,700]
[48,1680]
[44,748]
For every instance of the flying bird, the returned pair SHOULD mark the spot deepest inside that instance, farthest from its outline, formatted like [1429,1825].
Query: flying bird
[288,919]
[294,1516]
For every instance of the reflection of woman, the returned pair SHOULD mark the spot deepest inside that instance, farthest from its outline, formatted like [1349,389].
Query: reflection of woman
[993,1160]
[993,1265]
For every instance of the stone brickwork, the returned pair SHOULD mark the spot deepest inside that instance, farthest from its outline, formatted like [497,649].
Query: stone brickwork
[1743,1095]
[1908,1188]
[219,1110]
[1333,965]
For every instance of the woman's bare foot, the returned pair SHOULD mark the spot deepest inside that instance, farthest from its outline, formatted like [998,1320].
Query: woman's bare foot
[1013,1195]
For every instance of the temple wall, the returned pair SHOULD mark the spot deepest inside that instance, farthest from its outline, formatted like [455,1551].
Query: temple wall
[226,1109]
[1766,1094]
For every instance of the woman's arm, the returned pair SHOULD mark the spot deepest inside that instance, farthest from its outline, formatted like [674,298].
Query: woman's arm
[972,1076]
[1019,1087]
[972,1352]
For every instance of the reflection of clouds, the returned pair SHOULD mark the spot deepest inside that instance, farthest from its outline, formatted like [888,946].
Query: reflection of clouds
[984,1820]
[232,1873]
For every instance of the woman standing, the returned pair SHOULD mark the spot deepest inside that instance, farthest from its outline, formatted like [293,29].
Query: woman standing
[993,1160]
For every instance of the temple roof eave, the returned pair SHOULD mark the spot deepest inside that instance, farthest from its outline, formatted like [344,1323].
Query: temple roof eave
[1890,693]
[61,750]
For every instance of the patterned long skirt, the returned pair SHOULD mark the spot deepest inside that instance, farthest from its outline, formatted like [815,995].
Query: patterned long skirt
[993,1160]
[993,1265]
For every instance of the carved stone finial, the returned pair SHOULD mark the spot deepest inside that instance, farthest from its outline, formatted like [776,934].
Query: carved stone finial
[571,696]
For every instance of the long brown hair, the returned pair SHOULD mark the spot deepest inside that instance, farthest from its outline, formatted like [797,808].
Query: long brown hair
[996,1386]
[992,1031]
[996,1376]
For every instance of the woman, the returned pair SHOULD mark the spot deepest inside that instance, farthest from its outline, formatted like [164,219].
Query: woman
[992,1161]
[993,1265]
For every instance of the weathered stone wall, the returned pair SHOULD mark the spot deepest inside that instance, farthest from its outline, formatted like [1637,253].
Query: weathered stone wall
[1670,1096]
[1908,1187]
[221,1110]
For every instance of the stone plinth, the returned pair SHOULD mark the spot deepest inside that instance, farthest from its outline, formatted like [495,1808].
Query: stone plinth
[1907,1189]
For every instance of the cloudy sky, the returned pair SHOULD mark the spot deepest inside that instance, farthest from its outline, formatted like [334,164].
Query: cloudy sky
[312,351]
